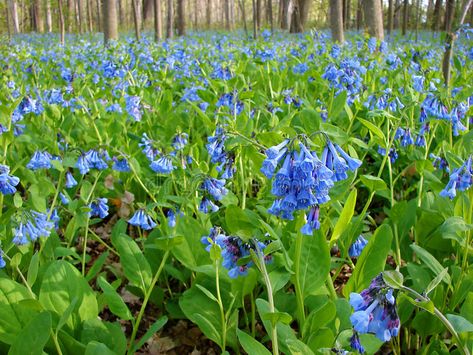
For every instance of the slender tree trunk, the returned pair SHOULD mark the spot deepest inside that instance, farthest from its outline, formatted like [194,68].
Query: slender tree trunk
[390,16]
[136,19]
[181,16]
[49,18]
[90,18]
[270,15]
[121,13]
[336,20]
[226,6]
[99,17]
[295,18]
[436,15]
[449,16]
[347,14]
[148,9]
[359,15]
[170,19]
[284,11]
[374,18]
[7,16]
[209,13]
[397,9]
[158,21]
[243,15]
[304,9]
[62,27]
[405,17]
[428,16]
[70,15]
[14,16]
[110,24]
[255,20]
[258,14]
[38,16]
[196,17]
[81,15]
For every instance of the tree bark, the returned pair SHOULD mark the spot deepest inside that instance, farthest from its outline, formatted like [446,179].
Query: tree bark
[436,15]
[449,15]
[405,17]
[208,13]
[62,27]
[359,15]
[374,18]
[121,13]
[99,17]
[397,9]
[80,14]
[258,14]
[14,16]
[49,18]
[196,17]
[70,15]
[181,16]
[170,19]
[90,18]
[148,9]
[7,16]
[226,6]
[270,15]
[336,20]
[136,19]
[284,11]
[255,25]
[241,3]
[110,24]
[158,21]
[390,16]
[38,16]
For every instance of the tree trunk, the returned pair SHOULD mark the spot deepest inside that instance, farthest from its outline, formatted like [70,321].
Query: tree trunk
[255,20]
[284,14]
[181,16]
[336,20]
[374,18]
[158,20]
[270,15]
[14,16]
[70,15]
[99,17]
[226,6]
[148,9]
[405,17]
[62,27]
[80,14]
[390,16]
[208,14]
[49,18]
[110,24]
[7,16]
[121,13]
[90,18]
[243,15]
[359,15]
[436,15]
[346,14]
[428,14]
[38,17]
[397,9]
[304,9]
[449,15]
[196,17]
[136,19]
[295,18]
[170,19]
[258,14]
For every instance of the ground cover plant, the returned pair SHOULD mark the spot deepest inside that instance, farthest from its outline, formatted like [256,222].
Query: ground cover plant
[284,195]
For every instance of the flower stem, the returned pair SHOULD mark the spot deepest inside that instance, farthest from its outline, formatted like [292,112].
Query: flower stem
[220,305]
[297,283]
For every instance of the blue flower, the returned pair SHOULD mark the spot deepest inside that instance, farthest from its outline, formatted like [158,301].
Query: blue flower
[375,310]
[99,208]
[37,225]
[7,181]
[180,141]
[357,247]
[312,221]
[356,344]
[40,160]
[2,261]
[70,181]
[64,199]
[121,165]
[207,206]
[142,220]
[162,166]
[215,187]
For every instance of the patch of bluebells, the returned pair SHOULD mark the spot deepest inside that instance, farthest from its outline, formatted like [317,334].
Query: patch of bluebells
[121,164]
[393,154]
[33,226]
[302,180]
[460,179]
[233,249]
[99,208]
[93,159]
[231,101]
[439,162]
[70,181]
[142,219]
[375,311]
[8,182]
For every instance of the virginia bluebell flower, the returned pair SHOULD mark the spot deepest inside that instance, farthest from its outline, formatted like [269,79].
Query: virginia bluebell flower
[147,147]
[356,344]
[121,165]
[162,166]
[312,221]
[64,199]
[7,181]
[357,247]
[99,208]
[231,101]
[2,261]
[461,179]
[70,181]
[133,107]
[142,220]
[215,187]
[216,146]
[375,310]
[207,206]
[40,160]
[36,225]
[180,140]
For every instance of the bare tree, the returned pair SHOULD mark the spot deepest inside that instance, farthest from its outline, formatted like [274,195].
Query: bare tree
[49,18]
[80,15]
[226,6]
[336,20]
[158,26]
[62,27]
[255,25]
[136,19]
[209,13]
[148,6]
[99,17]
[405,17]
[258,14]
[170,19]
[181,18]
[269,7]
[449,16]
[14,16]
[37,16]
[436,15]
[390,16]
[241,3]
[110,24]
[300,14]
[374,18]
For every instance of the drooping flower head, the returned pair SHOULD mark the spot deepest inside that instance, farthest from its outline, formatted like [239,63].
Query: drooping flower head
[142,220]
[7,181]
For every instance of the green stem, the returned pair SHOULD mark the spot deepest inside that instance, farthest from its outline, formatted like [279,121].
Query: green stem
[260,146]
[220,305]
[297,283]
[463,349]
[84,251]
[243,184]
[137,322]
[331,288]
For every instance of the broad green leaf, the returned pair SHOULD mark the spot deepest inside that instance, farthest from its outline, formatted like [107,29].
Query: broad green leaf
[276,317]
[432,263]
[251,345]
[393,279]
[114,301]
[61,284]
[33,270]
[373,183]
[160,322]
[371,261]
[297,347]
[314,263]
[135,265]
[32,339]
[11,322]
[345,216]
[96,348]
[97,266]
[438,279]
[191,252]
[459,323]
[372,128]
[110,334]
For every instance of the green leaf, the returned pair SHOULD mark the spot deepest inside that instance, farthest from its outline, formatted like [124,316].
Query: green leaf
[345,216]
[62,282]
[33,270]
[393,279]
[372,128]
[459,323]
[32,339]
[96,348]
[97,266]
[371,261]
[67,313]
[11,322]
[438,279]
[431,262]
[297,347]
[251,345]
[191,252]
[338,104]
[207,292]
[135,265]
[114,301]
[150,332]
[238,222]
[426,305]
[314,263]
[373,183]
[276,317]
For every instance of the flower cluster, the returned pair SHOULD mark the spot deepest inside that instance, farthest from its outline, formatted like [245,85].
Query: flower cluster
[93,159]
[99,208]
[375,310]
[233,249]
[357,247]
[36,225]
[460,178]
[303,179]
[142,220]
[7,181]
